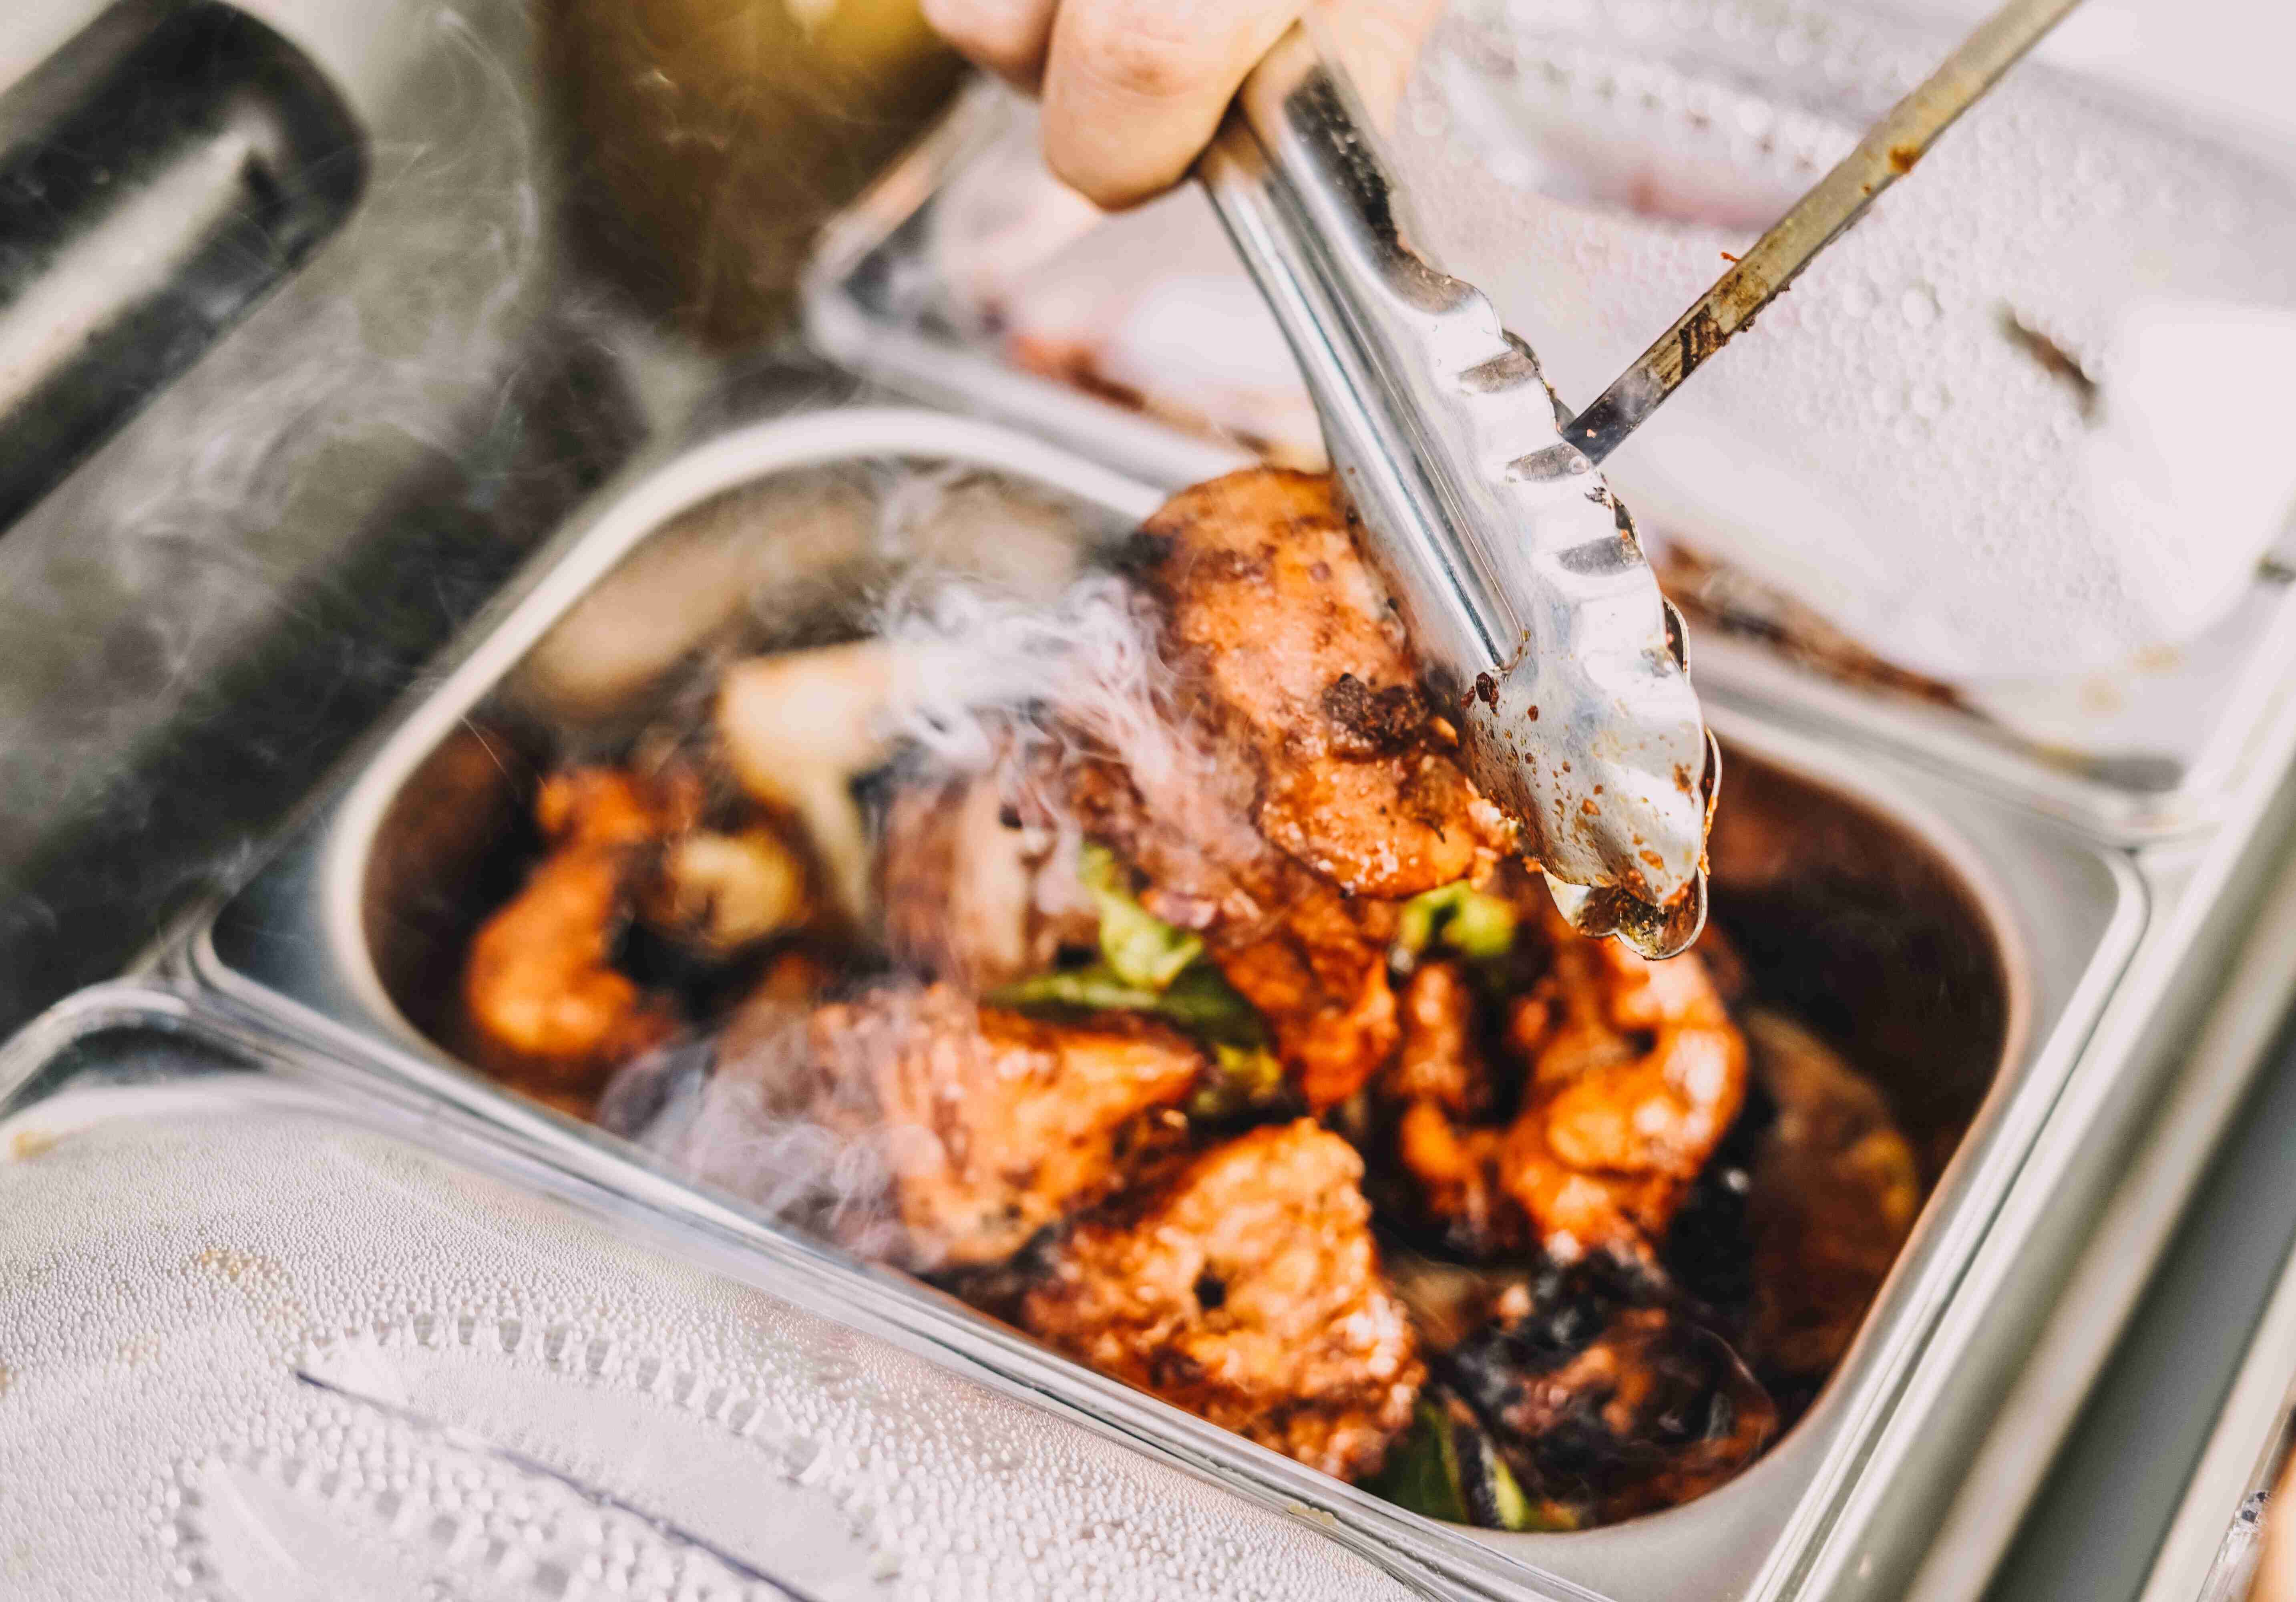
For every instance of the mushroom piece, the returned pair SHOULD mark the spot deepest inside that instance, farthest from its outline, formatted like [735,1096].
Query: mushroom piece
[721,893]
[798,729]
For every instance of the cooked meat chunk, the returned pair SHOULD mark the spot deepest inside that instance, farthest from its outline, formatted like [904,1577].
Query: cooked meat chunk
[1607,1396]
[1318,976]
[1245,1289]
[1325,790]
[547,1008]
[978,888]
[1301,673]
[1635,1078]
[1835,1191]
[1440,1061]
[1632,1071]
[991,1124]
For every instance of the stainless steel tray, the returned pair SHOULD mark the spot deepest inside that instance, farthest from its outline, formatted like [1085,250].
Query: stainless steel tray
[319,944]
[275,1327]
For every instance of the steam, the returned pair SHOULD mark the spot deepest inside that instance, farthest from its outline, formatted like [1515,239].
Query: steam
[790,1113]
[988,682]
[769,1126]
[1082,676]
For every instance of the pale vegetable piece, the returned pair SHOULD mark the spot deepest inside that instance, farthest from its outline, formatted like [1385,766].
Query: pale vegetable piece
[722,893]
[798,729]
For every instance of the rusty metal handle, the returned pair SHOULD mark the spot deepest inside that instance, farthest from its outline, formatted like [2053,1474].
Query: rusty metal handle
[1887,153]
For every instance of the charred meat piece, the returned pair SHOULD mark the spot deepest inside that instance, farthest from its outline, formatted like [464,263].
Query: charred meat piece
[1327,789]
[546,1006]
[1834,1193]
[991,1124]
[1318,976]
[718,894]
[1439,1060]
[1246,1289]
[1631,1073]
[1607,1396]
[1449,1154]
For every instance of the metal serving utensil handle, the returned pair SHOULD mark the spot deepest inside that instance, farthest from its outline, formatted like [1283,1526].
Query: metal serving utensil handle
[1518,575]
[1887,153]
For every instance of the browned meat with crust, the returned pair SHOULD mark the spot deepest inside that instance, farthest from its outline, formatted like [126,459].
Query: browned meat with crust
[1301,672]
[1633,1072]
[1637,1077]
[546,1008]
[1440,1061]
[1835,1193]
[1246,1289]
[991,1124]
[1328,790]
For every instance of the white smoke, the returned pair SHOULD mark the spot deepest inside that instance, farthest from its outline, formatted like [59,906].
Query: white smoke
[985,685]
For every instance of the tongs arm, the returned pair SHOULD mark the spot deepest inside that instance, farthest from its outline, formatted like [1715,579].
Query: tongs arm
[1527,595]
[1887,151]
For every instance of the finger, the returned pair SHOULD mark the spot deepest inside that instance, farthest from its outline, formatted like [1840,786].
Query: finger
[1377,42]
[1009,38]
[1135,88]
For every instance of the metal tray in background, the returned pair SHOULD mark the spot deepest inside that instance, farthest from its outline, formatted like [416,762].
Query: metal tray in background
[334,1339]
[1903,883]
[875,299]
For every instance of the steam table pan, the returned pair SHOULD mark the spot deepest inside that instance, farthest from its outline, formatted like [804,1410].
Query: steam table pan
[348,939]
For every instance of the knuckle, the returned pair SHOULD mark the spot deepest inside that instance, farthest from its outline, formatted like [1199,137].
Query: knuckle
[1144,50]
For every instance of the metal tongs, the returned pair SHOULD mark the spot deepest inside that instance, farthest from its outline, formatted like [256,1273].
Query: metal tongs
[1517,572]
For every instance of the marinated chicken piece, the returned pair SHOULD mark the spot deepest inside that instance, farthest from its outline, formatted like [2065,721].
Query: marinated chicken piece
[1835,1191]
[991,1124]
[977,890]
[1318,976]
[1302,674]
[1454,1169]
[1636,1073]
[1326,789]
[1440,1061]
[1607,1397]
[1633,1072]
[546,1007]
[1246,1289]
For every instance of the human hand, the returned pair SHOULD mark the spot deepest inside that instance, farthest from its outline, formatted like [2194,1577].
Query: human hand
[1134,89]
